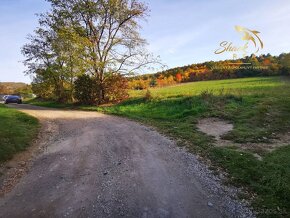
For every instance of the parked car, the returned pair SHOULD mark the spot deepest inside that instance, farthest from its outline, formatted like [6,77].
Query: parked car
[13,99]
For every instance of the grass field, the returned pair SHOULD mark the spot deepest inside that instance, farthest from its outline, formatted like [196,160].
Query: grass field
[231,86]
[259,109]
[16,131]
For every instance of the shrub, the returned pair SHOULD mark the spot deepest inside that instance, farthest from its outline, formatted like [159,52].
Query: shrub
[85,90]
[115,88]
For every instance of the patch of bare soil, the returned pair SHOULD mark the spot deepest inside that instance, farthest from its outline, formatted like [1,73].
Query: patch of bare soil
[214,127]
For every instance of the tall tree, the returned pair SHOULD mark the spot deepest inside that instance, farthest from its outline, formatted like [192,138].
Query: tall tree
[53,56]
[106,33]
[112,28]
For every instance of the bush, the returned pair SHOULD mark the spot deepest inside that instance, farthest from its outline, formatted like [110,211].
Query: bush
[115,88]
[85,90]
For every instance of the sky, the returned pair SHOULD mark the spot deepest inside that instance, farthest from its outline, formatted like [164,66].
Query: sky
[181,32]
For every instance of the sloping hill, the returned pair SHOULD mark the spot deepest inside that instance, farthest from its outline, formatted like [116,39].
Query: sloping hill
[11,87]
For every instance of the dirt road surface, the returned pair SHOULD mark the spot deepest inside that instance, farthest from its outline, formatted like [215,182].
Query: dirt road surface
[96,165]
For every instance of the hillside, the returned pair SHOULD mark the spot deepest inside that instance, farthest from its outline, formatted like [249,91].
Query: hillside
[11,87]
[250,66]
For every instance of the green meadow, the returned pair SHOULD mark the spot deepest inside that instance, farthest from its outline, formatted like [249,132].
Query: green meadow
[230,86]
[259,109]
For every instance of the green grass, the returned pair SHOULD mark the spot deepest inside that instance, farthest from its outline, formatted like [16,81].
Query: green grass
[50,104]
[259,108]
[269,178]
[17,130]
[237,86]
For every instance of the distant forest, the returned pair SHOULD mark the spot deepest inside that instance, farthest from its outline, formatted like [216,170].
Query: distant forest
[250,66]
[14,88]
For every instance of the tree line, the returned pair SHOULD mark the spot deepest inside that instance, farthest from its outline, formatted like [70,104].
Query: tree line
[250,66]
[13,88]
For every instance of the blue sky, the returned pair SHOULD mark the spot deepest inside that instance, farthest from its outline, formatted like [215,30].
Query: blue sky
[180,31]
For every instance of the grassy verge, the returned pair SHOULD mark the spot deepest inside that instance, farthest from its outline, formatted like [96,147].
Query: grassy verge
[259,108]
[16,131]
[50,104]
[269,179]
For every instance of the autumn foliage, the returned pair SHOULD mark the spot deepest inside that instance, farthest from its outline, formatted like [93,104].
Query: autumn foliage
[87,89]
[264,65]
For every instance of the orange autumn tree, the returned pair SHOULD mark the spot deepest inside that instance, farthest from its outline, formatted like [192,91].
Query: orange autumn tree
[178,77]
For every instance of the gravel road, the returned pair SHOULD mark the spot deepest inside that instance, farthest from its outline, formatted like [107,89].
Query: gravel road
[96,165]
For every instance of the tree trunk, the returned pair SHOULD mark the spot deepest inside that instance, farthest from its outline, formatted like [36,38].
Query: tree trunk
[101,88]
[60,94]
[101,94]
